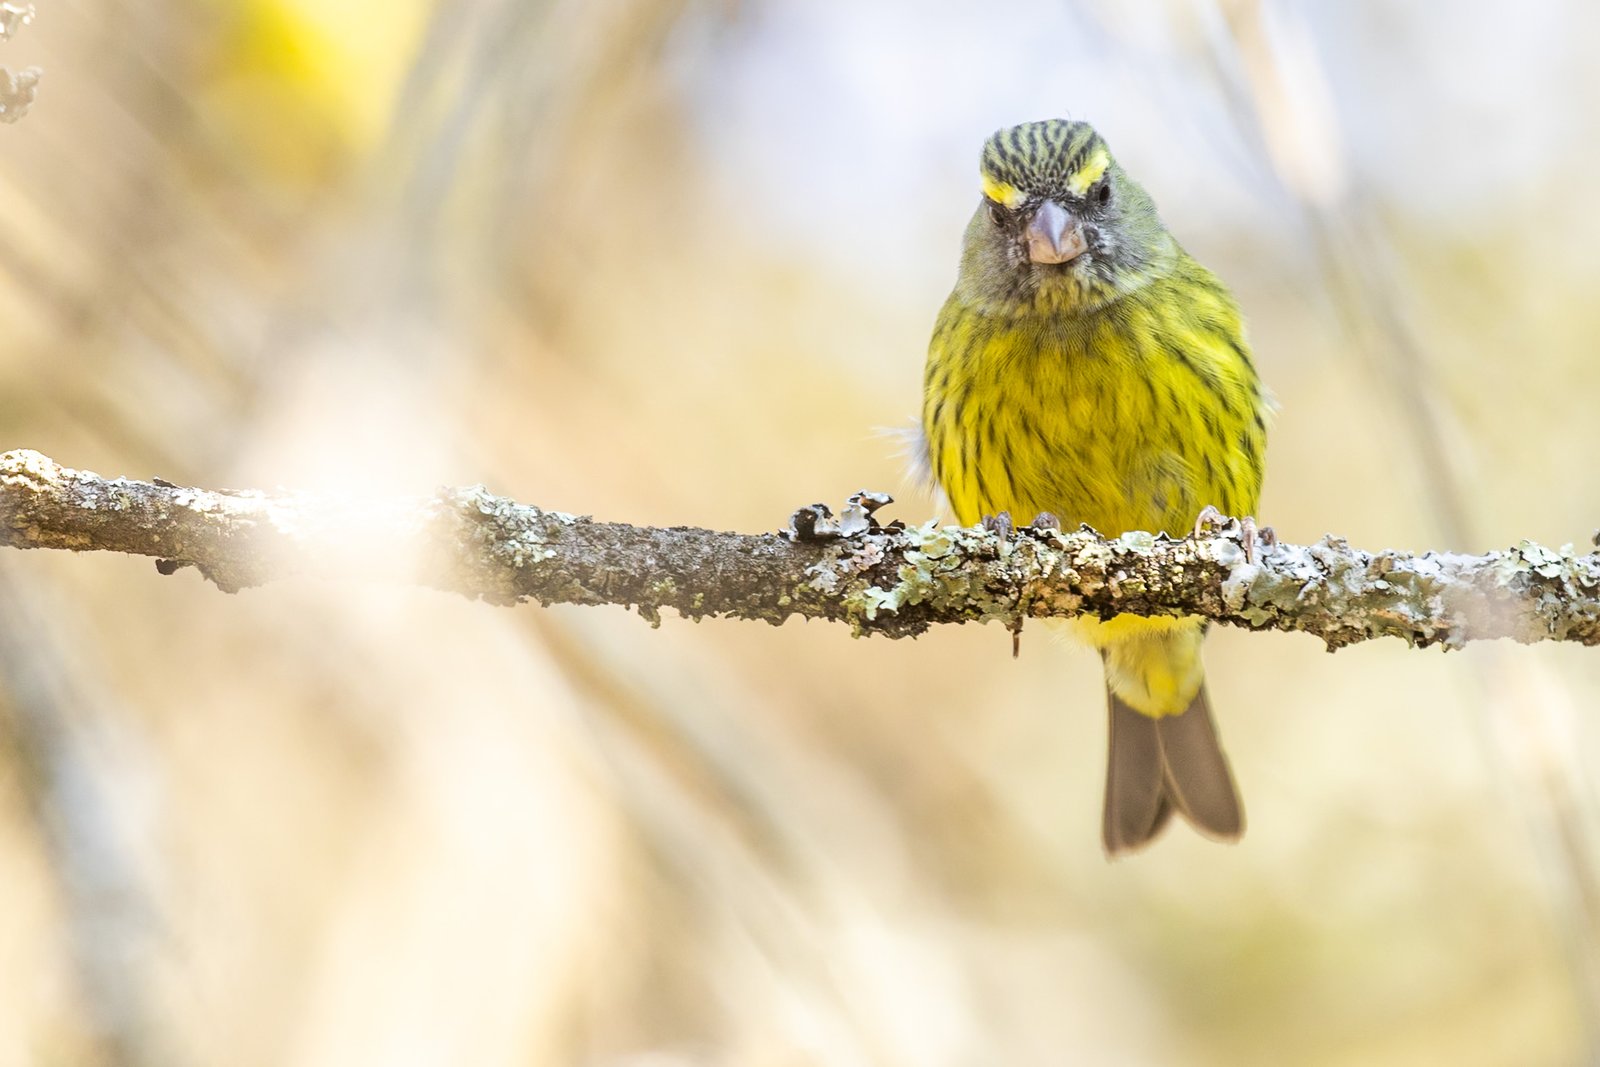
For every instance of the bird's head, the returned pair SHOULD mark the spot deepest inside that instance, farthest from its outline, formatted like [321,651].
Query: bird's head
[1061,228]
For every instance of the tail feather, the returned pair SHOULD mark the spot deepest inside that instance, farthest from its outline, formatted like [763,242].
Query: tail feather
[1197,774]
[1136,796]
[1158,765]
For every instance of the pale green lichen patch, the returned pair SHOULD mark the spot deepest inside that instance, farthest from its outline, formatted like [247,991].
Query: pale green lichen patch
[824,575]
[1237,590]
[1526,557]
[478,497]
[871,600]
[1140,541]
[943,567]
[1553,587]
[931,540]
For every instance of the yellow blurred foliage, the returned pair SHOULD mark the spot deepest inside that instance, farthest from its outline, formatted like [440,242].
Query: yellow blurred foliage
[302,89]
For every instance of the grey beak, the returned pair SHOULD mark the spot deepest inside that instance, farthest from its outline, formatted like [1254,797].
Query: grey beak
[1054,235]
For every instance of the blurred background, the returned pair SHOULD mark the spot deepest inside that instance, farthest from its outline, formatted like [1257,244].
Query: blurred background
[676,261]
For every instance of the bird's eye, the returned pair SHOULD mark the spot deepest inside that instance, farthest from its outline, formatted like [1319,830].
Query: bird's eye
[997,212]
[1102,192]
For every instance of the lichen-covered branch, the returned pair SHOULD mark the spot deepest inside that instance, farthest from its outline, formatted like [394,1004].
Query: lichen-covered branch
[893,581]
[16,90]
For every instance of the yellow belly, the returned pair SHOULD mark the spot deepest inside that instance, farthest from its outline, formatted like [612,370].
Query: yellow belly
[1123,421]
[1131,418]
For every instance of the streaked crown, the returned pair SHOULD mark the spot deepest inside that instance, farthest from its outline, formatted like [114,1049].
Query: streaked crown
[1055,159]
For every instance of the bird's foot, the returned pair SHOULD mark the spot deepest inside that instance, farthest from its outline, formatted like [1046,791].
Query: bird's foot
[1210,520]
[999,524]
[1005,526]
[1251,535]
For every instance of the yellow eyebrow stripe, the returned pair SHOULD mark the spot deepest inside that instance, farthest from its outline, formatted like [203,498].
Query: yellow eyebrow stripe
[1089,173]
[1001,193]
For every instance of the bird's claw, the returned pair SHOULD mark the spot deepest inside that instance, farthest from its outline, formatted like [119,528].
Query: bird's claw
[1005,526]
[1251,535]
[1210,520]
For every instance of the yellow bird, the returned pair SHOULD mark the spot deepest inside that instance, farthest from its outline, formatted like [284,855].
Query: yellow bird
[1088,368]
